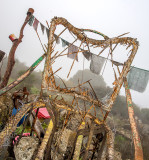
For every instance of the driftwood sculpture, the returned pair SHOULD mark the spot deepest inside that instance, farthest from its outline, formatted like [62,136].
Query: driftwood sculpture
[56,98]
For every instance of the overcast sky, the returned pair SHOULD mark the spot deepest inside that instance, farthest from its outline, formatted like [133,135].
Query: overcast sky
[111,17]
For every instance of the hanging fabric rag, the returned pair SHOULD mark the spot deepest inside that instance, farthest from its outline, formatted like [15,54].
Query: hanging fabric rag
[138,79]
[47,31]
[72,52]
[31,20]
[42,27]
[35,24]
[87,55]
[64,42]
[57,39]
[96,63]
[2,54]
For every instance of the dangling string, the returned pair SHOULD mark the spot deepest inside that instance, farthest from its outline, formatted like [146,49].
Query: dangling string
[105,64]
[108,56]
[40,42]
[75,58]
[83,66]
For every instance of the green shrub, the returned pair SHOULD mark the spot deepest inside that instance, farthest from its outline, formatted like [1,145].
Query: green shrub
[119,139]
[35,90]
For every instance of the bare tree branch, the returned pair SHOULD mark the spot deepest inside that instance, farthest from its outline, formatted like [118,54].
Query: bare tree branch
[11,60]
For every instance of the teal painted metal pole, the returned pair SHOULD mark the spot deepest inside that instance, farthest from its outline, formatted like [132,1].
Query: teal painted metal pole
[22,77]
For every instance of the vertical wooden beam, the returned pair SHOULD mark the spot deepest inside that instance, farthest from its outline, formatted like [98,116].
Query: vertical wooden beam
[11,57]
[78,143]
[110,143]
[124,73]
[46,81]
[103,148]
[41,150]
[135,134]
[89,141]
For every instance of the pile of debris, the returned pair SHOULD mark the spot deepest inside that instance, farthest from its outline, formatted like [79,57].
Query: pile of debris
[74,130]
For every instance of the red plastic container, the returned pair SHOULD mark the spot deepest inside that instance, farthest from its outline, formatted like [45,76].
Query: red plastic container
[12,37]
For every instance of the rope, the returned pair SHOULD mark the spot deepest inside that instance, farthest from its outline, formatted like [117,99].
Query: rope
[40,42]
[83,66]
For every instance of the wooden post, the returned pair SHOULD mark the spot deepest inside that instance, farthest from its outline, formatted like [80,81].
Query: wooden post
[89,141]
[46,81]
[135,134]
[78,143]
[11,59]
[45,140]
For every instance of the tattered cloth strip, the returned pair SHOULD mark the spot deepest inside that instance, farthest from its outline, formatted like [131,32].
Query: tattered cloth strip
[96,63]
[72,52]
[31,20]
[87,55]
[57,39]
[138,79]
[64,42]
[35,24]
[2,54]
[42,27]
[47,31]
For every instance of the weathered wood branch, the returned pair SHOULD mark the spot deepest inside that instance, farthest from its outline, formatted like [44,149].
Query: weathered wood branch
[69,93]
[23,76]
[45,140]
[11,57]
[135,134]
[89,141]
[37,126]
[51,107]
[13,121]
[103,148]
[78,143]
[47,83]
[110,143]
